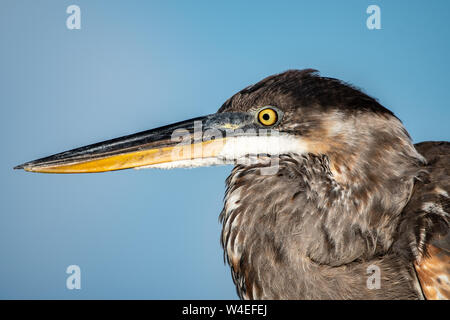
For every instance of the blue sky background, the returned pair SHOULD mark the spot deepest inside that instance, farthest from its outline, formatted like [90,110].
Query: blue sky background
[136,65]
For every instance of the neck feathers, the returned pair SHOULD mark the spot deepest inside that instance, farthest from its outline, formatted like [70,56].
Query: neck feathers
[304,217]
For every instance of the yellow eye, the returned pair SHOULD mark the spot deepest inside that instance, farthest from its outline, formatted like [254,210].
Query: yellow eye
[267,116]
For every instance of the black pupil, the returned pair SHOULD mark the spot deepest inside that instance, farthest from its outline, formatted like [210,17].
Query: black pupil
[266,116]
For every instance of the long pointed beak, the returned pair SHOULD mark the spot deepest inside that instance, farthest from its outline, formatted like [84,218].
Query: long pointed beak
[196,139]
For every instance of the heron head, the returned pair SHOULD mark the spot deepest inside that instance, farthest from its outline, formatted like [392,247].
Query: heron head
[295,112]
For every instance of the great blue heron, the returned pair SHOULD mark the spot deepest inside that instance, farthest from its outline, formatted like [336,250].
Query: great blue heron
[326,186]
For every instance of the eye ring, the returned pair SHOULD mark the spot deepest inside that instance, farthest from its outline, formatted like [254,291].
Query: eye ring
[267,116]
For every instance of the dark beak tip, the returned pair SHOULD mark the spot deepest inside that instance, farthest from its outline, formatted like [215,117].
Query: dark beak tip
[20,166]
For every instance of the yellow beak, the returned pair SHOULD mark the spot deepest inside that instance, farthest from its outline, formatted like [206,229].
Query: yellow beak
[199,138]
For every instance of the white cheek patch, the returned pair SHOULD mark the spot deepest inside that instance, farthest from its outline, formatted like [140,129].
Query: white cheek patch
[238,147]
[235,149]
